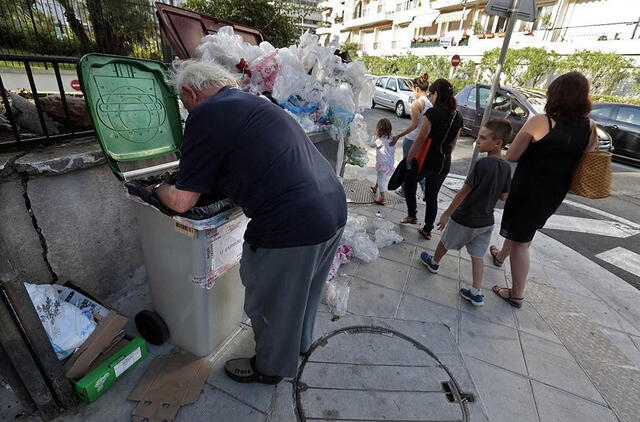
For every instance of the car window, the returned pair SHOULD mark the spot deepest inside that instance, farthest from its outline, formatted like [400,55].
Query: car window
[405,85]
[536,100]
[381,82]
[392,85]
[500,102]
[601,112]
[472,96]
[629,115]
[517,108]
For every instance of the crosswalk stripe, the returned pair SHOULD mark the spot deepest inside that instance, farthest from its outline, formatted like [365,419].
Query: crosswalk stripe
[622,258]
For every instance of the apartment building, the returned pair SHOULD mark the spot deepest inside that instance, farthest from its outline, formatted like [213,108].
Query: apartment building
[442,27]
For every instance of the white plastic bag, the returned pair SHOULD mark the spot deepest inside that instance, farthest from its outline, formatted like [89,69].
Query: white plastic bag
[336,296]
[358,132]
[66,326]
[386,238]
[364,248]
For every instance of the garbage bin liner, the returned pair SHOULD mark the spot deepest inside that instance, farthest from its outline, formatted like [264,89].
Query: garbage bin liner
[206,207]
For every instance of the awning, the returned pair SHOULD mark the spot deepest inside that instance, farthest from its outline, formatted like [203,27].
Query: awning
[453,16]
[424,21]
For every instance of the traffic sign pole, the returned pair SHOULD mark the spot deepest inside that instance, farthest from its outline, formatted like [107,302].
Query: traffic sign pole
[496,78]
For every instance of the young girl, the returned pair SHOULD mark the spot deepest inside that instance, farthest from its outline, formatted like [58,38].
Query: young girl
[385,154]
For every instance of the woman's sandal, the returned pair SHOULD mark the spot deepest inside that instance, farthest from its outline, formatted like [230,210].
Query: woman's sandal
[426,235]
[379,202]
[510,300]
[494,251]
[374,189]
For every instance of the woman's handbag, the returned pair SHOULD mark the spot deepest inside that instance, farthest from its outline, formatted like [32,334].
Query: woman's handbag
[422,154]
[397,179]
[591,177]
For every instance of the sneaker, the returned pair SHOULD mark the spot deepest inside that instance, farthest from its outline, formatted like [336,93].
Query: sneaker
[427,260]
[409,220]
[476,300]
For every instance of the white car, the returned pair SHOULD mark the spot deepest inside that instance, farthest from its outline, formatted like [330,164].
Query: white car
[395,93]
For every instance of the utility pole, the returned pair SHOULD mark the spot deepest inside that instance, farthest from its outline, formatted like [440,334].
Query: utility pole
[496,78]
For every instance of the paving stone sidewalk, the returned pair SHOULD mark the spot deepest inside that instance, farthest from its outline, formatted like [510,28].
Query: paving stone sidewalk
[570,354]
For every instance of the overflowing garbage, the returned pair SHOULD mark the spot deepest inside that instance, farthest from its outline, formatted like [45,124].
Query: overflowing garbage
[320,89]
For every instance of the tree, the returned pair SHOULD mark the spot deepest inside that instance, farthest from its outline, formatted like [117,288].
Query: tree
[604,70]
[351,48]
[276,19]
[538,63]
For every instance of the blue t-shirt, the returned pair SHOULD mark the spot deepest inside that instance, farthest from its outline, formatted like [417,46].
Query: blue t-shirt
[252,151]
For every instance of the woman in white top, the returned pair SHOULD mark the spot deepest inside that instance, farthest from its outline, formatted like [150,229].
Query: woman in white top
[418,107]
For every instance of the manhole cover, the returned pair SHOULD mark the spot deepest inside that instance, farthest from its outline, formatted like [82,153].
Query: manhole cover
[360,193]
[369,373]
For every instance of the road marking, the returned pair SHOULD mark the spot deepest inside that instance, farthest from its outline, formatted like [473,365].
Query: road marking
[583,225]
[456,186]
[622,258]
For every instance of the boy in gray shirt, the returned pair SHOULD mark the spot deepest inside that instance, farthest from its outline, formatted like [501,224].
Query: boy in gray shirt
[471,211]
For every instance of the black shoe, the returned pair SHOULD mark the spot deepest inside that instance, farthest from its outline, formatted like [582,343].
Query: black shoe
[244,370]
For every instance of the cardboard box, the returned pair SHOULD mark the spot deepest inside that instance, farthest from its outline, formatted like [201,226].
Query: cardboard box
[106,355]
[129,352]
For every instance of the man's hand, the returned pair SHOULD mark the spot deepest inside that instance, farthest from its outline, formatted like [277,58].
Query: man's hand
[442,223]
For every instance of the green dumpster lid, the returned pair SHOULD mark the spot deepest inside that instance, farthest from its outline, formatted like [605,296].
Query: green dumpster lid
[134,110]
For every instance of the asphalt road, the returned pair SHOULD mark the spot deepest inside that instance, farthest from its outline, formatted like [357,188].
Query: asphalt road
[594,226]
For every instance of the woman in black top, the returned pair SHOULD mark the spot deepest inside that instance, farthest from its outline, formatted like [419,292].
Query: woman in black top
[547,149]
[442,124]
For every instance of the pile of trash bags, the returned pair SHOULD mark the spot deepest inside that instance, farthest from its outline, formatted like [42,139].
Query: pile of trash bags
[356,242]
[320,89]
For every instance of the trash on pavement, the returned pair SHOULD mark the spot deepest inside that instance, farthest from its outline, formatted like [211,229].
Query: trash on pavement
[385,234]
[364,248]
[170,382]
[336,295]
[107,354]
[66,325]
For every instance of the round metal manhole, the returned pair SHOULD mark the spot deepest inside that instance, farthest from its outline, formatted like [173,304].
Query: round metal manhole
[359,192]
[368,373]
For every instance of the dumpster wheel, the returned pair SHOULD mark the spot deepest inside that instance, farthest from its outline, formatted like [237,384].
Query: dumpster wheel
[152,327]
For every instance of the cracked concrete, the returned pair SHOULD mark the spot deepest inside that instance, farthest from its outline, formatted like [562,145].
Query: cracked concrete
[65,216]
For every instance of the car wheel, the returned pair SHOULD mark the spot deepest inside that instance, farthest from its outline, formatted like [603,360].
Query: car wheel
[400,109]
[373,104]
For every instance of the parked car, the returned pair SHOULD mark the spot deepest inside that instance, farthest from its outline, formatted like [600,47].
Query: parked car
[622,123]
[515,105]
[395,93]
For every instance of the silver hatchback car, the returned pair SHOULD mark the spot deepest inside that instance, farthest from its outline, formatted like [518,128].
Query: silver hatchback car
[395,93]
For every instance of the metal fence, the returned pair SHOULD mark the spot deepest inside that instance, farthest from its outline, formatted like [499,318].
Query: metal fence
[18,137]
[73,27]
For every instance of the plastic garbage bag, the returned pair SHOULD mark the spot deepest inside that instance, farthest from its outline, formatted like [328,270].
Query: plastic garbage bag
[336,295]
[386,238]
[356,156]
[263,73]
[343,256]
[66,326]
[358,132]
[363,247]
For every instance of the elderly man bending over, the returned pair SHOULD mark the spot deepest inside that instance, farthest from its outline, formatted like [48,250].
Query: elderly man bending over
[252,151]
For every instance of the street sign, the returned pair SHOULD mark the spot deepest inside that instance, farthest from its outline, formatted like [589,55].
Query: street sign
[445,42]
[526,9]
[75,84]
[455,60]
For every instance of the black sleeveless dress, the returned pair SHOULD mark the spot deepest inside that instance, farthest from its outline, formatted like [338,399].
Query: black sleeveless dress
[542,179]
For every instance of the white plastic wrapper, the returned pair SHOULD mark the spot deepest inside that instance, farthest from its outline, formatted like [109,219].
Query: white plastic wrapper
[336,296]
[66,326]
[363,247]
[358,132]
[386,238]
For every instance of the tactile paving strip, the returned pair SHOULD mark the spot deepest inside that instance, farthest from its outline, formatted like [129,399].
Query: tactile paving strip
[613,374]
[359,192]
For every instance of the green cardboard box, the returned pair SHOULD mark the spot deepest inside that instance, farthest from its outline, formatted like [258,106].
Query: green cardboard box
[119,360]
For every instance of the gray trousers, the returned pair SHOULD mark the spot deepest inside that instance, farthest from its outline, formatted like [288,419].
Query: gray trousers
[283,288]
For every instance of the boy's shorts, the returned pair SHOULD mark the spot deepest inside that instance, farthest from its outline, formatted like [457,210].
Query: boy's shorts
[476,240]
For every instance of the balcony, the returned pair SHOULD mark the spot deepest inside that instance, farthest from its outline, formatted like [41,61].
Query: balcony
[324,5]
[452,4]
[373,15]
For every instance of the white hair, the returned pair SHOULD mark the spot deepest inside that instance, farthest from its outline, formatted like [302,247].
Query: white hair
[199,75]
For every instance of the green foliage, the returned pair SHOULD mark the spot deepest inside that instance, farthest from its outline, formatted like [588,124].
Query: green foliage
[538,63]
[599,98]
[351,48]
[604,70]
[466,70]
[276,19]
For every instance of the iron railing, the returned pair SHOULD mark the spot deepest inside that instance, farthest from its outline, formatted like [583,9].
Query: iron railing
[17,138]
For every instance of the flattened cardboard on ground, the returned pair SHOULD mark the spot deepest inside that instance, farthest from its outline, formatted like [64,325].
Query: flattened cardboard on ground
[102,337]
[170,382]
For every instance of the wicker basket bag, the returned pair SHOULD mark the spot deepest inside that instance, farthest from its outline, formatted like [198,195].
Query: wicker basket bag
[592,175]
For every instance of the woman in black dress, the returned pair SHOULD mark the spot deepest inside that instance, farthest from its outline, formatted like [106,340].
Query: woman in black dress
[547,149]
[442,123]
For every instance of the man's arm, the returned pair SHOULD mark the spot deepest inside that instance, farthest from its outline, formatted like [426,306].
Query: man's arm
[457,200]
[176,199]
